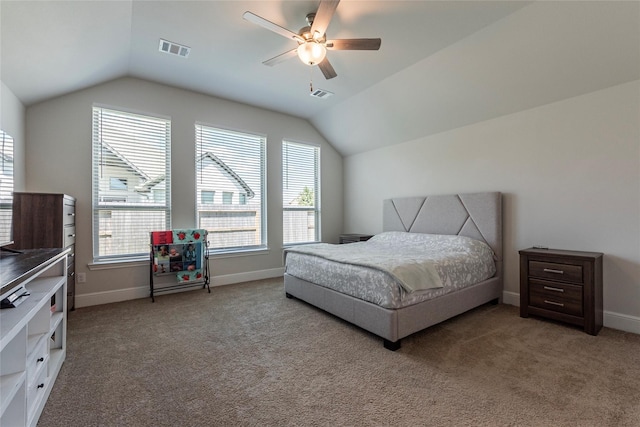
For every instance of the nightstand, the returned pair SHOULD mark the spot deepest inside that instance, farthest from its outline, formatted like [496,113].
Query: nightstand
[562,285]
[352,238]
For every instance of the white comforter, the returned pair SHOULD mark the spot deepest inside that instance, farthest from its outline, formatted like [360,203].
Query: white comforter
[414,262]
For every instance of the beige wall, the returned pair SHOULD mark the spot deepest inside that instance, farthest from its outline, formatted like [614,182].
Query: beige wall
[569,171]
[59,160]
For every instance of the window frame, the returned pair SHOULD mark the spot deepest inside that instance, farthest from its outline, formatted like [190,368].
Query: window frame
[104,205]
[260,192]
[316,208]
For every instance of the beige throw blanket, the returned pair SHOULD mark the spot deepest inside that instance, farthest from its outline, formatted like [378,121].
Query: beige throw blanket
[413,272]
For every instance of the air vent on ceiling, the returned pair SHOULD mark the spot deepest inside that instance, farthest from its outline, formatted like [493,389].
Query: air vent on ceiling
[174,48]
[321,93]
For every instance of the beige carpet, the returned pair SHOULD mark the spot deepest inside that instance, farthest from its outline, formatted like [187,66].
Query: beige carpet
[245,355]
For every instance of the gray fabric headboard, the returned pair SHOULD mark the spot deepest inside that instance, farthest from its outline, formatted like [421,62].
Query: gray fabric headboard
[475,215]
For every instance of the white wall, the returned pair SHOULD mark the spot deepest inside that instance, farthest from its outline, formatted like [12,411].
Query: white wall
[12,121]
[59,160]
[569,171]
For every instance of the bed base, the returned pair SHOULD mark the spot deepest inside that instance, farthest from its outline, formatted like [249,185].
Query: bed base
[393,325]
[476,215]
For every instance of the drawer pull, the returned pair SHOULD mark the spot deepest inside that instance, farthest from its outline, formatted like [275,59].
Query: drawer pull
[41,359]
[551,270]
[71,214]
[71,235]
[551,288]
[559,304]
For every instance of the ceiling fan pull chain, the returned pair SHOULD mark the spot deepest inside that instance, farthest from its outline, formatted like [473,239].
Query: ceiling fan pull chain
[311,80]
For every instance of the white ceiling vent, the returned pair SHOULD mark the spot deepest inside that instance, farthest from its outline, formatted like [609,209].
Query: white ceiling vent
[174,48]
[321,93]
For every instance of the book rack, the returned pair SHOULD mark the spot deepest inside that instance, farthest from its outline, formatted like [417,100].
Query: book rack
[181,255]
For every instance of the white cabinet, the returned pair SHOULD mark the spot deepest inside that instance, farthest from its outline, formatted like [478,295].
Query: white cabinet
[33,334]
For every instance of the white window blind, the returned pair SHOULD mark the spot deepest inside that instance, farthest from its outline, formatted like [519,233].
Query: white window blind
[231,166]
[6,186]
[300,193]
[131,182]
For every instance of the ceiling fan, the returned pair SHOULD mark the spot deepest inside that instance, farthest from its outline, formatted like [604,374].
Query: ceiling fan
[312,39]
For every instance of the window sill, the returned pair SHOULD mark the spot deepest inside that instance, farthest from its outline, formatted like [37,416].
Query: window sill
[119,263]
[239,253]
[144,261]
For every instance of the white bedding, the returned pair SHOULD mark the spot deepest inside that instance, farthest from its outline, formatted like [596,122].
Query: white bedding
[376,271]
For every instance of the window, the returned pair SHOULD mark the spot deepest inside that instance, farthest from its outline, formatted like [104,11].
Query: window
[6,187]
[229,163]
[300,193]
[207,197]
[227,197]
[131,182]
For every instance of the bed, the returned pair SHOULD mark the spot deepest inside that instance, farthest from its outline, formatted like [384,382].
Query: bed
[331,280]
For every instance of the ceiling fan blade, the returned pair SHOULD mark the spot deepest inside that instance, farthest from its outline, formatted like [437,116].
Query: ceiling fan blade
[323,16]
[281,58]
[327,69]
[354,44]
[251,17]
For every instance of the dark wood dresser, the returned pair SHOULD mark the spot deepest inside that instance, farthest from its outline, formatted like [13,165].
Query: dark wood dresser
[44,220]
[562,285]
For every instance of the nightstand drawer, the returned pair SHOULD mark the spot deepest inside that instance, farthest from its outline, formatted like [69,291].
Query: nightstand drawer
[560,297]
[551,270]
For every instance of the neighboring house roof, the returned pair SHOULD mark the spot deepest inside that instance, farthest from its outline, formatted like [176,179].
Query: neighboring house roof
[227,169]
[122,159]
[118,159]
[147,186]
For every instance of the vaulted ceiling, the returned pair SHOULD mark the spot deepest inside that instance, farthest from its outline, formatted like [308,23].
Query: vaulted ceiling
[442,64]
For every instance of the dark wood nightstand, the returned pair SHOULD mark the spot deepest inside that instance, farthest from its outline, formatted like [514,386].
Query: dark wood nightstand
[352,238]
[562,285]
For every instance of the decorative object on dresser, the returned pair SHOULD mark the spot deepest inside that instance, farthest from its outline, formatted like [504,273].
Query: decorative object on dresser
[354,237]
[562,285]
[33,333]
[46,220]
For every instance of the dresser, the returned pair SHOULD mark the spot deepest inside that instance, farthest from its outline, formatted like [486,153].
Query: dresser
[562,285]
[45,220]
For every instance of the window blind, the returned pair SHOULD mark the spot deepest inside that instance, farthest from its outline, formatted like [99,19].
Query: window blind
[230,182]
[300,193]
[6,187]
[131,182]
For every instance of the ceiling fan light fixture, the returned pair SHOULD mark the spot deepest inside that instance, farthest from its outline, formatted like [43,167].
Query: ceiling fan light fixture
[311,52]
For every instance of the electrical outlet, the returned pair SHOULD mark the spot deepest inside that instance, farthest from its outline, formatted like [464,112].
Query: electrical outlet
[82,277]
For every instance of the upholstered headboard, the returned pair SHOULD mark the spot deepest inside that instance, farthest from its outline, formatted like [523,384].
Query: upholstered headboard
[475,215]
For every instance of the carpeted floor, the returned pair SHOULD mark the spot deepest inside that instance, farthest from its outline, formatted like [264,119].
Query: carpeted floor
[245,355]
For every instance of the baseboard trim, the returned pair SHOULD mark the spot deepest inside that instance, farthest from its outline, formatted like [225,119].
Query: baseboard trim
[119,295]
[511,298]
[622,322]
